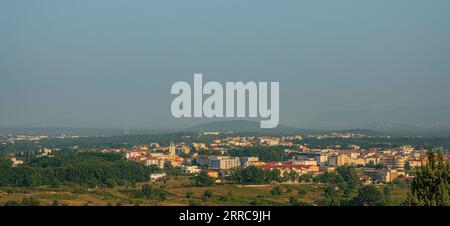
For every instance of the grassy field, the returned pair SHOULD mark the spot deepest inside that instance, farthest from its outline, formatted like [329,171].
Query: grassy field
[177,189]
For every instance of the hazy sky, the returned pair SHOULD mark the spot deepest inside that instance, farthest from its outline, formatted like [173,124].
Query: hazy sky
[112,63]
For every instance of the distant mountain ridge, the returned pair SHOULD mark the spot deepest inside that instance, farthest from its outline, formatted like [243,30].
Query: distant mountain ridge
[418,115]
[237,126]
[409,130]
[252,126]
[243,126]
[372,129]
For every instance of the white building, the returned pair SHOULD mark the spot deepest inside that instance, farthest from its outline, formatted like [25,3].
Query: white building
[224,162]
[190,169]
[250,161]
[157,176]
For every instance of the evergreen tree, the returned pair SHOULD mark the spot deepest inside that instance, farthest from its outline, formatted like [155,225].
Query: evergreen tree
[349,176]
[276,191]
[431,187]
[202,179]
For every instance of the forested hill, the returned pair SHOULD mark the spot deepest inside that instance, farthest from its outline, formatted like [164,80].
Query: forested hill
[89,169]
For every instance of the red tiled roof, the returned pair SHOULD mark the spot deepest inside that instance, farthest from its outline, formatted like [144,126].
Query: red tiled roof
[289,166]
[421,151]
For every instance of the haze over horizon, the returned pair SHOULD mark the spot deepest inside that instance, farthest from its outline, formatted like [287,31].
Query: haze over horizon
[110,63]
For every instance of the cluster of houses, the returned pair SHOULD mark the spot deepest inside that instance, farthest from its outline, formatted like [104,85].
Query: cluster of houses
[44,152]
[378,165]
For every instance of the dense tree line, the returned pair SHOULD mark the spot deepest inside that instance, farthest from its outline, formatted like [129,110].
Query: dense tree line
[266,154]
[254,175]
[89,169]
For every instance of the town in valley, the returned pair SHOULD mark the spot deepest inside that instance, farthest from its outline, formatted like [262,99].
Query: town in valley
[216,168]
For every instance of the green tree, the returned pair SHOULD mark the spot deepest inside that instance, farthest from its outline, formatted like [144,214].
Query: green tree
[203,179]
[31,201]
[294,201]
[387,194]
[274,176]
[368,196]
[147,190]
[302,191]
[82,168]
[276,191]
[289,190]
[291,176]
[208,194]
[249,175]
[431,187]
[306,178]
[194,203]
[407,166]
[257,202]
[12,203]
[349,176]
[255,175]
[162,196]
[331,196]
